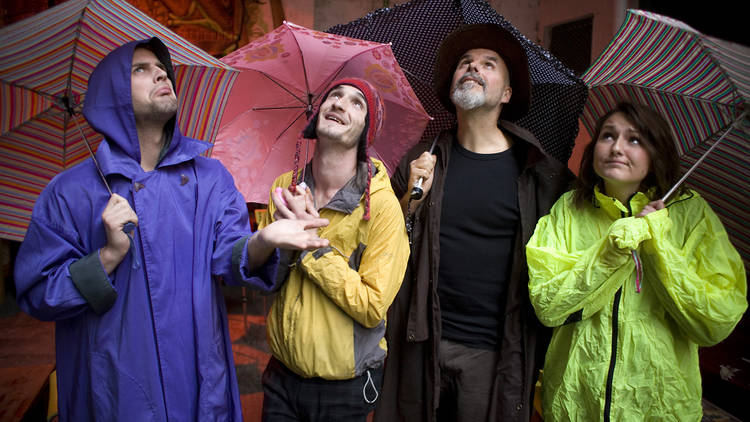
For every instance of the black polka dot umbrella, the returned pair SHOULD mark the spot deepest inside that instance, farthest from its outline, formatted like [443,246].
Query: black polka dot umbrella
[416,29]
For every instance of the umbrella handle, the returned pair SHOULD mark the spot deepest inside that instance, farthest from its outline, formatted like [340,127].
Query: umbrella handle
[705,154]
[416,190]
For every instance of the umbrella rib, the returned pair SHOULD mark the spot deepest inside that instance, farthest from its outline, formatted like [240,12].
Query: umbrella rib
[304,69]
[654,89]
[51,111]
[409,73]
[283,87]
[51,97]
[705,154]
[290,125]
[277,108]
[68,88]
[335,74]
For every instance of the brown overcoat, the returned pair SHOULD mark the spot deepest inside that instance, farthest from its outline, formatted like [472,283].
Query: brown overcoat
[409,390]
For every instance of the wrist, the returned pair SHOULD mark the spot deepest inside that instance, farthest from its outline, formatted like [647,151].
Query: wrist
[110,258]
[260,240]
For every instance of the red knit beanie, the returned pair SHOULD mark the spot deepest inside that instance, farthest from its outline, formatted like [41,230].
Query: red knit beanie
[373,124]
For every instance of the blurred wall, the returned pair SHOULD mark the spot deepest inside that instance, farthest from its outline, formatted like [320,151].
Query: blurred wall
[221,26]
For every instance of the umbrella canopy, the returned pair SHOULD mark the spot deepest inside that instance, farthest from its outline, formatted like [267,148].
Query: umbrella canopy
[416,29]
[701,85]
[45,63]
[283,75]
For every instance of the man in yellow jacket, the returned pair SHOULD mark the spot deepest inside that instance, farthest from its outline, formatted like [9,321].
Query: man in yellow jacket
[326,326]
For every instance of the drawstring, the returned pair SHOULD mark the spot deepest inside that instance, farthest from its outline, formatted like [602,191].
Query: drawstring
[364,389]
[638,270]
[129,230]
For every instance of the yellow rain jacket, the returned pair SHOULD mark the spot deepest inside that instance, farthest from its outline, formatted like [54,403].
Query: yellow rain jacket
[617,353]
[328,319]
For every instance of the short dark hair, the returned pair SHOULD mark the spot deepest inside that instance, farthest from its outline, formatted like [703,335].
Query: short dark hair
[657,139]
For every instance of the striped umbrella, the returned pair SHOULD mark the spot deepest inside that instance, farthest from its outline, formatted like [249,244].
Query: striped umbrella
[701,85]
[45,63]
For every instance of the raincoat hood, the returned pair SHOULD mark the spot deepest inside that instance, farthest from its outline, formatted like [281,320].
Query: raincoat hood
[108,108]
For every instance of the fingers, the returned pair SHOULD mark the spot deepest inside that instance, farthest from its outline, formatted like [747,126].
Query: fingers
[115,216]
[651,207]
[315,243]
[296,201]
[282,207]
[310,204]
[315,224]
[118,212]
[297,205]
[658,204]
[422,167]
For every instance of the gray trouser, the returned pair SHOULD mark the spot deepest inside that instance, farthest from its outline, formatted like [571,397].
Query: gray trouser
[466,378]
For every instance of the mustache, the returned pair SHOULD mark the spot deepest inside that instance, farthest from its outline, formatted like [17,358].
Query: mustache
[471,75]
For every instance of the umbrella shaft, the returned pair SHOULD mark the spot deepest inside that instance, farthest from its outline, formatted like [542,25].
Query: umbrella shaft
[91,152]
[700,160]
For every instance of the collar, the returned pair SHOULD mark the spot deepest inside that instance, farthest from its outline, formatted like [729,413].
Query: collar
[347,198]
[616,209]
[113,160]
[528,148]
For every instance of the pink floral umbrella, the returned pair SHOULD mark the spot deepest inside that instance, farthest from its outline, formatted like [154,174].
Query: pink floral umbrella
[282,77]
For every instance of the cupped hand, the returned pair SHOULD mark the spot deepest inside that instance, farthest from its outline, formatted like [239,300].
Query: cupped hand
[423,167]
[651,207]
[297,205]
[116,214]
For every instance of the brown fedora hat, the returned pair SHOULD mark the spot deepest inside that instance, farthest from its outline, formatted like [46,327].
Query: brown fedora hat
[492,37]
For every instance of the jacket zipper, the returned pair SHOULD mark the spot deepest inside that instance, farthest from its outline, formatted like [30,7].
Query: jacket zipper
[613,358]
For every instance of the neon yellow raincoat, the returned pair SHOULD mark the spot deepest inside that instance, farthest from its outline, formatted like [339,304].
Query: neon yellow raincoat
[617,353]
[328,319]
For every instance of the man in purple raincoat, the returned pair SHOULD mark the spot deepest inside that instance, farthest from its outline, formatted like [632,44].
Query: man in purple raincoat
[141,323]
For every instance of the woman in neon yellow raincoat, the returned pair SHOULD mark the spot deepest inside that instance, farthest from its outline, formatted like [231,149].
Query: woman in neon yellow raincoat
[632,286]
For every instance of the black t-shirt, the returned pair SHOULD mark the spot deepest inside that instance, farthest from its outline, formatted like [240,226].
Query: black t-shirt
[478,225]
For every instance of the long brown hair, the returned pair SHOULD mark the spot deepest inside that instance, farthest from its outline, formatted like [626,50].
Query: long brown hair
[657,139]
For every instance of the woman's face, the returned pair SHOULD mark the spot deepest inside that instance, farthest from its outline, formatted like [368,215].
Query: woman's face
[620,157]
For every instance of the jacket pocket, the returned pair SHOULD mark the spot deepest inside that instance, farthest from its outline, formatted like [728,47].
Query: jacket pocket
[115,394]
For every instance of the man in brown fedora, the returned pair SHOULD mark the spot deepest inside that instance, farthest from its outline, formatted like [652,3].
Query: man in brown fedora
[464,343]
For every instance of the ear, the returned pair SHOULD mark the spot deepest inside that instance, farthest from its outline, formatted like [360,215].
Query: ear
[507,93]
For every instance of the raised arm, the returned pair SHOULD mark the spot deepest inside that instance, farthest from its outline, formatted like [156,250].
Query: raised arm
[567,282]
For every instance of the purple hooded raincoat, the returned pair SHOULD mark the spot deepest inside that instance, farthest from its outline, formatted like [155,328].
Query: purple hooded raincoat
[150,341]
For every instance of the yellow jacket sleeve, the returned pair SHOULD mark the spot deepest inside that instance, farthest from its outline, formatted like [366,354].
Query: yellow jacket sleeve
[568,282]
[365,295]
[700,278]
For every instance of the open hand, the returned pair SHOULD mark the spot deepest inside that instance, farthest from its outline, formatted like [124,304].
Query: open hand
[294,234]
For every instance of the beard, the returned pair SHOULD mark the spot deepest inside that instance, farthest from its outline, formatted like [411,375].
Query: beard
[464,96]
[160,110]
[163,110]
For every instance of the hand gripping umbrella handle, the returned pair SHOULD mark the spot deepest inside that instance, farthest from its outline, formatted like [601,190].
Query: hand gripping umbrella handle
[734,124]
[129,227]
[416,190]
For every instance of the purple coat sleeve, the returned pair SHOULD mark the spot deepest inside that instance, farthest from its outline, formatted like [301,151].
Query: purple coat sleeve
[232,234]
[57,271]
